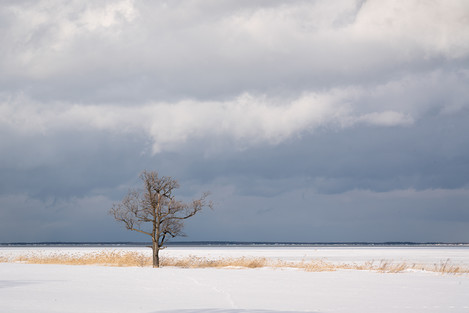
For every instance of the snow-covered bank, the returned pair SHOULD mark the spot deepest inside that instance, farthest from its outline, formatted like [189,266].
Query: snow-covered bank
[62,288]
[357,255]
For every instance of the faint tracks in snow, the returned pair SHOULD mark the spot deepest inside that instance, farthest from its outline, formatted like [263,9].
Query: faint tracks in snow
[218,290]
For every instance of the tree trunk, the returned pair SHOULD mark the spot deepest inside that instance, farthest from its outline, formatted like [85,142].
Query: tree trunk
[156,257]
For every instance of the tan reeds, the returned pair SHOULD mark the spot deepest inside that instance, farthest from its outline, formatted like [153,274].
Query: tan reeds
[109,258]
[133,258]
[198,262]
[386,266]
[448,268]
[390,267]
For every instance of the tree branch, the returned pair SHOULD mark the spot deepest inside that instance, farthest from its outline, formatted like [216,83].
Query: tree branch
[141,231]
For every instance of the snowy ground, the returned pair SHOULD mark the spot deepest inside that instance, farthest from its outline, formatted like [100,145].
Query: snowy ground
[62,288]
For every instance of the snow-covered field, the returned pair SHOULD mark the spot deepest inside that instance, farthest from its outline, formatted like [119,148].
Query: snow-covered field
[66,288]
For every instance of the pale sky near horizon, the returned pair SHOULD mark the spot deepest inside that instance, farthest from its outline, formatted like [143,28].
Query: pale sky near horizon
[307,120]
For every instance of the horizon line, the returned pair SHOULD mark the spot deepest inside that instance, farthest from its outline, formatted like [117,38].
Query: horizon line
[235,242]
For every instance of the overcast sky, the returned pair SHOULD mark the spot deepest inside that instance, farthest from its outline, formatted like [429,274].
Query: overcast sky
[307,120]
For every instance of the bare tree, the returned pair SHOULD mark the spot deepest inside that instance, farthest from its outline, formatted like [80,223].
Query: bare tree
[155,212]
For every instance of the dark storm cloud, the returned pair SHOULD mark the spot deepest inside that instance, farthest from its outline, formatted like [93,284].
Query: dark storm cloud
[431,154]
[313,120]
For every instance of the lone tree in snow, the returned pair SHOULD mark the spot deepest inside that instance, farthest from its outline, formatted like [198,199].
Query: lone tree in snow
[155,212]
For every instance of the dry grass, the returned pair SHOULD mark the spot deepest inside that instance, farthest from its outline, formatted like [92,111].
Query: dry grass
[132,258]
[448,268]
[386,266]
[108,258]
[198,262]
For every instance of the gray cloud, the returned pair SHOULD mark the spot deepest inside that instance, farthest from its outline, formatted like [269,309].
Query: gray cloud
[186,50]
[308,120]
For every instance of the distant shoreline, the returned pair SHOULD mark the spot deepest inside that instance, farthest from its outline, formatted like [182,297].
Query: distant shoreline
[237,244]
